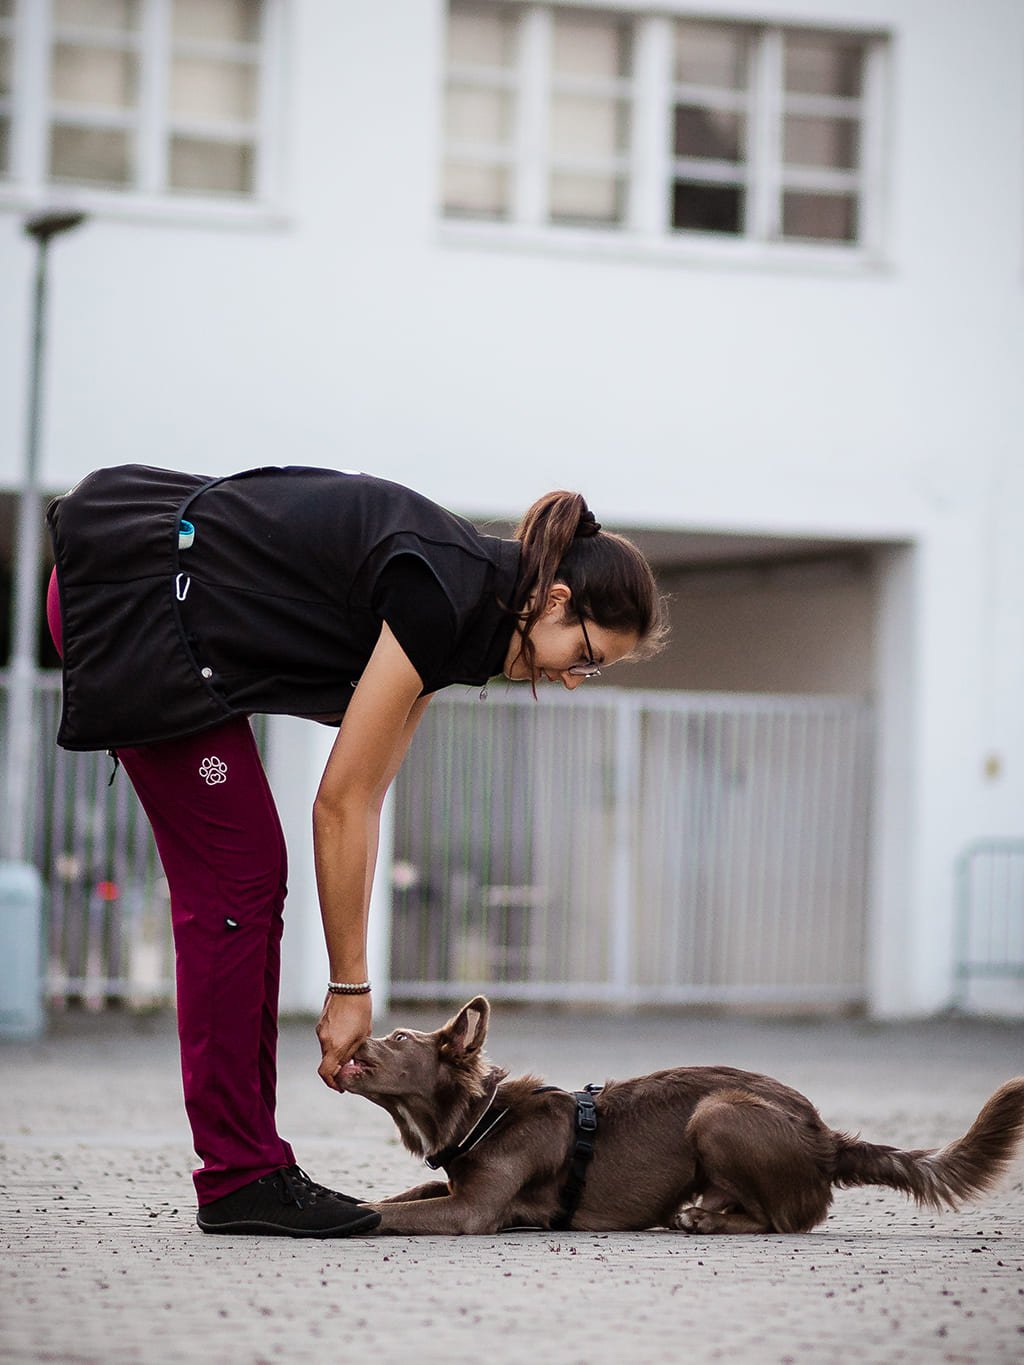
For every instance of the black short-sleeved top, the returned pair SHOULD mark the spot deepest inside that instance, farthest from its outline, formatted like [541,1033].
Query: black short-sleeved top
[276,606]
[413,603]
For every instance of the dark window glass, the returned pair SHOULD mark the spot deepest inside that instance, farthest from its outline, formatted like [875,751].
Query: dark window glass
[813,141]
[827,217]
[6,65]
[211,167]
[707,208]
[713,133]
[102,156]
[823,66]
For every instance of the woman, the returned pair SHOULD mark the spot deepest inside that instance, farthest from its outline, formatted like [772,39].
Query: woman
[183,605]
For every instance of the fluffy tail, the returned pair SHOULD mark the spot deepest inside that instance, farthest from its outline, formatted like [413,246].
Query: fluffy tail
[942,1179]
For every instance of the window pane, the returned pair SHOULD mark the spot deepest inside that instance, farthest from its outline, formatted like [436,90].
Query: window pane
[212,89]
[586,199]
[591,47]
[821,142]
[478,116]
[100,156]
[711,133]
[819,65]
[707,208]
[217,21]
[831,217]
[478,190]
[6,47]
[476,38]
[114,16]
[102,78]
[588,127]
[711,54]
[211,167]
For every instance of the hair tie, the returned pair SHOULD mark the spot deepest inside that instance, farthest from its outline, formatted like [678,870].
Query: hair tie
[588,525]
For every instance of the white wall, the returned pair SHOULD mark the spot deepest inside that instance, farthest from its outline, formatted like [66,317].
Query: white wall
[350,327]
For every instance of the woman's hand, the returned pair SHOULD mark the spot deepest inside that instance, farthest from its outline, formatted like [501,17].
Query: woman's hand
[345,1023]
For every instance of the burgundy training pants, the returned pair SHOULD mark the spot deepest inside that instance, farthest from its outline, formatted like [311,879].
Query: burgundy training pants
[223,852]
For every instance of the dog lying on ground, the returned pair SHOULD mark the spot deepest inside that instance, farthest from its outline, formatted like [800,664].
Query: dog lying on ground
[700,1149]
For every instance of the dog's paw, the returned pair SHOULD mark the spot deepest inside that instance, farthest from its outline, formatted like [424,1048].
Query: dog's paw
[706,1221]
[688,1218]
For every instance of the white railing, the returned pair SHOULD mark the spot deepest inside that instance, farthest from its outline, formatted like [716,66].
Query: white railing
[106,926]
[625,846]
[609,846]
[990,915]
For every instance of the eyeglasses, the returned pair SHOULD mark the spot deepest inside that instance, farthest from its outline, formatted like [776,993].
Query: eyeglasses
[589,668]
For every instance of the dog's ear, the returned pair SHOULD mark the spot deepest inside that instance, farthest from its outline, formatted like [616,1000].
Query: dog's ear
[465,1033]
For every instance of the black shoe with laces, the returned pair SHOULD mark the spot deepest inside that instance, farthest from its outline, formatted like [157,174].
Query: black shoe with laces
[286,1203]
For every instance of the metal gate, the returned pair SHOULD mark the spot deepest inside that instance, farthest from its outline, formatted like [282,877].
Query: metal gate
[990,915]
[630,846]
[107,926]
[610,846]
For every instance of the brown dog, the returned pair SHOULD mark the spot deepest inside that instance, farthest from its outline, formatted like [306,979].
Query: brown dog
[702,1149]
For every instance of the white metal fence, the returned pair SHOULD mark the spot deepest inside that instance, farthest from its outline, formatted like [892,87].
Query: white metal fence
[990,915]
[107,929]
[609,846]
[658,847]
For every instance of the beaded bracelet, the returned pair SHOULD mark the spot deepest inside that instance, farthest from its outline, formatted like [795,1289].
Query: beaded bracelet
[348,988]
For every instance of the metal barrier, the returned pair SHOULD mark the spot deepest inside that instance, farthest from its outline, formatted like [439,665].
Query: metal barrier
[630,846]
[611,846]
[107,927]
[990,914]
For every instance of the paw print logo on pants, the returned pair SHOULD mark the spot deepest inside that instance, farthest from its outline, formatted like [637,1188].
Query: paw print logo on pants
[213,770]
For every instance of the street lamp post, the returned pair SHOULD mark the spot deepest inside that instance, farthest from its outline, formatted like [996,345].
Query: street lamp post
[43,228]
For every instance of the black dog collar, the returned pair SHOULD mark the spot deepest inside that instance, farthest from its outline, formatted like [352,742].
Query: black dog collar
[487,1121]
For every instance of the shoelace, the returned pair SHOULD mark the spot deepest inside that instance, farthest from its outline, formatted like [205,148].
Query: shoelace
[295,1187]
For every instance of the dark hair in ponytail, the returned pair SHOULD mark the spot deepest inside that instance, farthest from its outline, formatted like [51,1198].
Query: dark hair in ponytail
[610,581]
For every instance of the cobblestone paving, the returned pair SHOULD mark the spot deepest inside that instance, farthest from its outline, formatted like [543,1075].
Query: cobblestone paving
[100,1259]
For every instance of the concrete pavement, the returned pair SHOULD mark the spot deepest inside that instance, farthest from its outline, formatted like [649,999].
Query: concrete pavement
[100,1259]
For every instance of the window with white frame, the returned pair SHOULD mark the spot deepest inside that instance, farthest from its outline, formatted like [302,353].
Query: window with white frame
[6,80]
[661,125]
[156,97]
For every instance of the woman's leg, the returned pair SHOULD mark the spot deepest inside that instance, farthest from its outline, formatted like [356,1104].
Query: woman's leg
[223,852]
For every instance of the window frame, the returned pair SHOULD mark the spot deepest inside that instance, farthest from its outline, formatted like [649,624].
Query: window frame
[27,184]
[646,232]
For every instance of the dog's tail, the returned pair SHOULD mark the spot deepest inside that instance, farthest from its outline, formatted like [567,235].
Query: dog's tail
[944,1178]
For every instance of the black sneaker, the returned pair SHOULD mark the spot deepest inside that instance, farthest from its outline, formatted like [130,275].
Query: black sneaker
[286,1203]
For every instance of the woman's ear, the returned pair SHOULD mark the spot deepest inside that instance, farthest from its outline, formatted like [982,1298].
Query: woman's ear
[558,597]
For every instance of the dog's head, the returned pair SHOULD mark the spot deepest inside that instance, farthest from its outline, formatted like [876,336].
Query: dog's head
[426,1081]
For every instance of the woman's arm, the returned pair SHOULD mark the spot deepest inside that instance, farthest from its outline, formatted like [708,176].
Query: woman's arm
[374,737]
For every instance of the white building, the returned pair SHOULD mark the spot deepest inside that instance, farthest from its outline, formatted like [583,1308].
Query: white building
[748,275]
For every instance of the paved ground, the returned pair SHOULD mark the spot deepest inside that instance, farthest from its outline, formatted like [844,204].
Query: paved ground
[100,1260]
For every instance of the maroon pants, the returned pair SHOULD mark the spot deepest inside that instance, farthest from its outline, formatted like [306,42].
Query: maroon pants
[222,849]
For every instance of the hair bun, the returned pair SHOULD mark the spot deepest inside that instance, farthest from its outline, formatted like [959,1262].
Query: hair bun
[588,525]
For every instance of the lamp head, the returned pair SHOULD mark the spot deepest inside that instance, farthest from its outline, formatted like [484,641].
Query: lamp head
[43,226]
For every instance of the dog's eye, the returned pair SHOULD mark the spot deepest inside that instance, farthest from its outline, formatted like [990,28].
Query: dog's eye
[399,1037]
